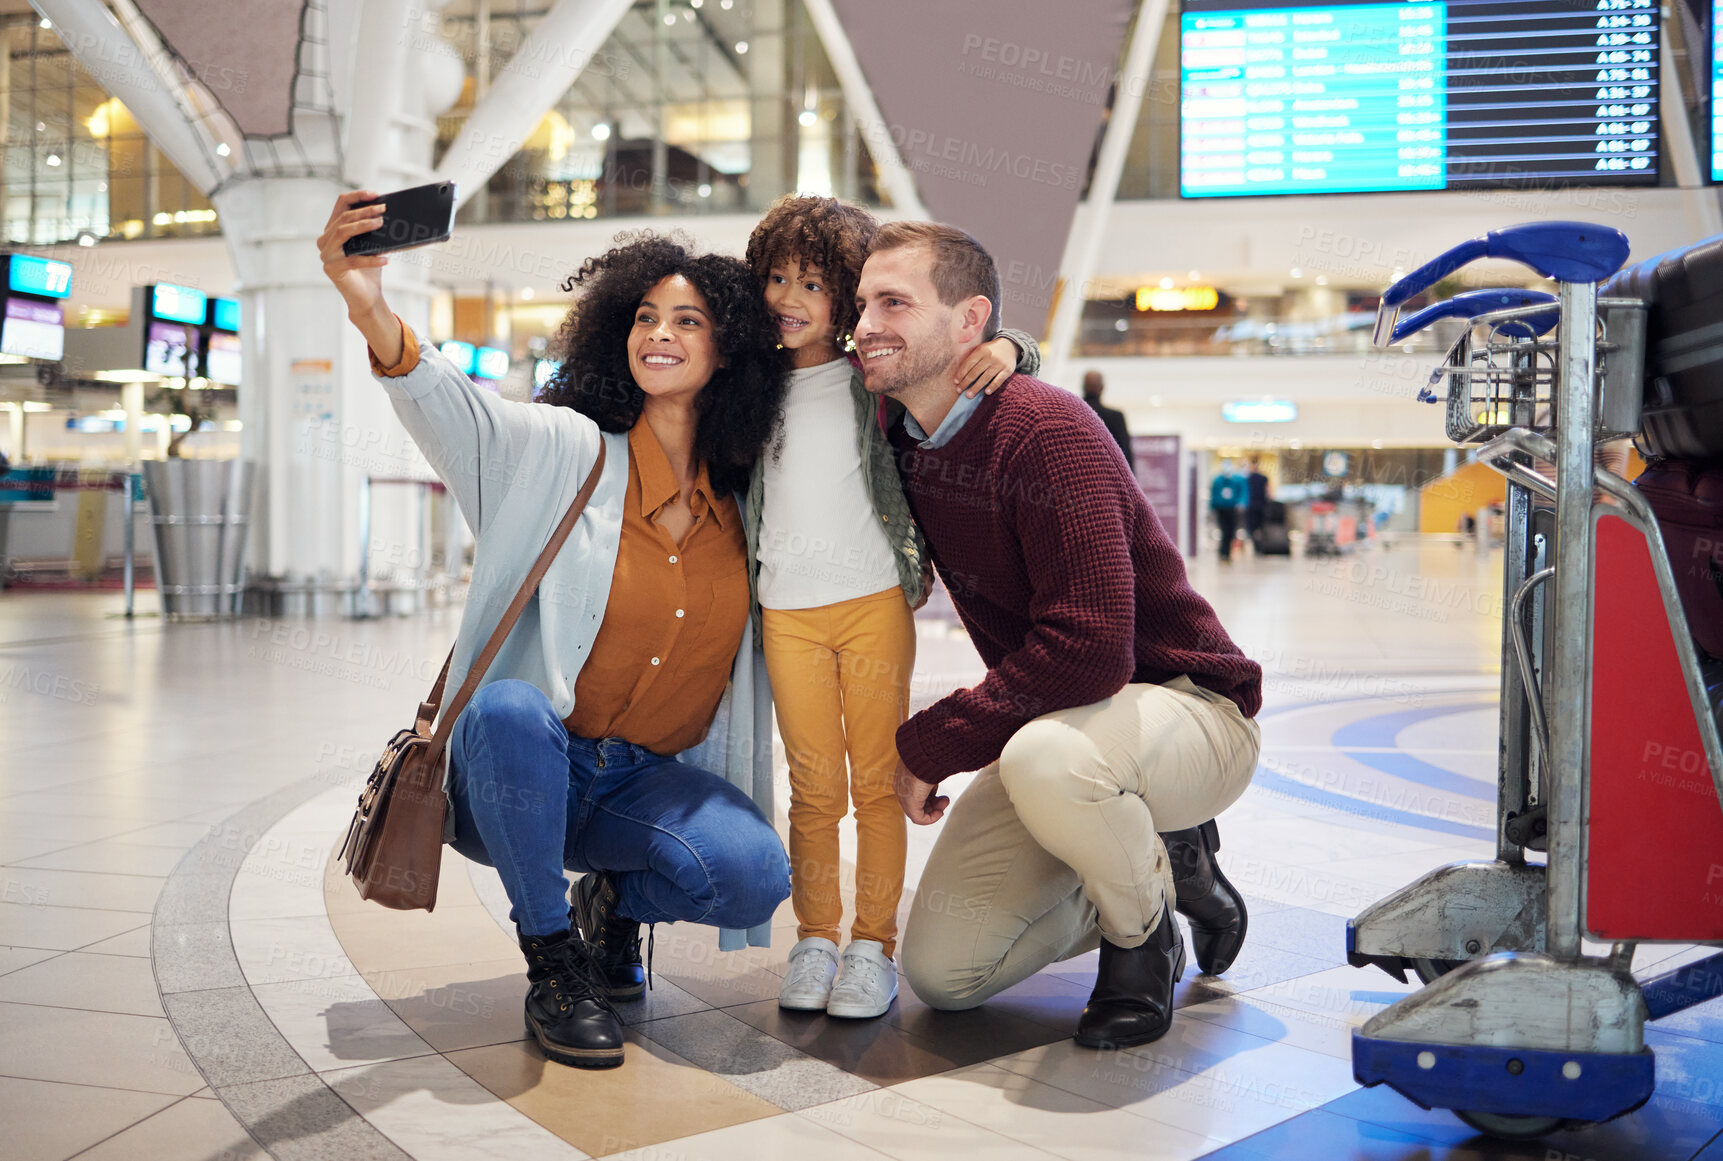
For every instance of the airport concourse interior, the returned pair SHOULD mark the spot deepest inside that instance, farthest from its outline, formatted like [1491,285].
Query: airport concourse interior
[766,579]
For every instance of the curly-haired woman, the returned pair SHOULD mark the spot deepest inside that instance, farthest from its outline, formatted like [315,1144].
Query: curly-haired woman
[840,566]
[591,744]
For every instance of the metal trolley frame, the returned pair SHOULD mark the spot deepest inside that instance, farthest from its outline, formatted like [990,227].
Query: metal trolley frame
[1518,1030]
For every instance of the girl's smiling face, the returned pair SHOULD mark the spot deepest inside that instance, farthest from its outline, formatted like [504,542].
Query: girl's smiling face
[801,305]
[673,348]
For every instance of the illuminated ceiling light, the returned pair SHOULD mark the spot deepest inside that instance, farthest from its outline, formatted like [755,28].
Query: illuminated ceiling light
[695,3]
[85,238]
[53,159]
[741,48]
[1195,276]
[705,190]
[669,18]
[1166,284]
[527,294]
[808,118]
[1294,444]
[163,219]
[222,150]
[46,23]
[1296,272]
[101,187]
[1322,280]
[41,126]
[687,15]
[601,131]
[726,5]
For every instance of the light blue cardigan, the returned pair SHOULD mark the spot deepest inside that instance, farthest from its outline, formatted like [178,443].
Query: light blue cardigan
[514,468]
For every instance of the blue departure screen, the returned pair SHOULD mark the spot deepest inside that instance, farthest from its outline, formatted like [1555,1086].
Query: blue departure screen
[1288,98]
[224,314]
[28,274]
[178,303]
[1716,90]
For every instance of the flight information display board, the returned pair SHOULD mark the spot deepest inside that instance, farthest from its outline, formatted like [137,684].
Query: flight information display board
[1282,98]
[1716,90]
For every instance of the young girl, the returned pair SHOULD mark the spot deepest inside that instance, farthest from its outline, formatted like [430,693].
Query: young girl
[840,566]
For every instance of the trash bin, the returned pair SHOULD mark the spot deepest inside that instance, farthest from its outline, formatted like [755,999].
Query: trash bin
[200,510]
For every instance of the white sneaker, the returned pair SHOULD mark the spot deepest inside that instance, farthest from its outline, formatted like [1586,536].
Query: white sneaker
[808,983]
[866,983]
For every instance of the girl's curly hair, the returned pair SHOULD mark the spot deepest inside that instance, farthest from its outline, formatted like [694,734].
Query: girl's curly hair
[737,411]
[819,232]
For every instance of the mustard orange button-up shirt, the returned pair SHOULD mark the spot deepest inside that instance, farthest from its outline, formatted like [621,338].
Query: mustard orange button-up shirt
[675,618]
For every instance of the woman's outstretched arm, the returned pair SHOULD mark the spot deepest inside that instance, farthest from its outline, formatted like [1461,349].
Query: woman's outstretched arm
[360,279]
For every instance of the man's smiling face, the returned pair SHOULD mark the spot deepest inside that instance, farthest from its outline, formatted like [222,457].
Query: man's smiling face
[905,335]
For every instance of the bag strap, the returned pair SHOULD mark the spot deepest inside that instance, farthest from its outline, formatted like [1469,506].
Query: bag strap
[428,708]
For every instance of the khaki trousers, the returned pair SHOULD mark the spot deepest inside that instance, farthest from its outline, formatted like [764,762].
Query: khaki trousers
[1055,844]
[840,683]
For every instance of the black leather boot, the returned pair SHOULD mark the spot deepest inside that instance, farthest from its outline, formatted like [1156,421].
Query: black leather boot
[566,1011]
[1133,998]
[617,940]
[1213,906]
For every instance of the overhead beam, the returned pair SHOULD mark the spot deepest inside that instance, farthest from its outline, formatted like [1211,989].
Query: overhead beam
[535,78]
[1089,228]
[896,177]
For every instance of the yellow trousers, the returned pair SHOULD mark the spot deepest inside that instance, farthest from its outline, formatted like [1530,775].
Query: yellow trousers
[840,682]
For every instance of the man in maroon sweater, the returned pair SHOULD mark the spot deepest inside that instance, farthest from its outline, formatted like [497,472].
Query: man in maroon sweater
[1114,707]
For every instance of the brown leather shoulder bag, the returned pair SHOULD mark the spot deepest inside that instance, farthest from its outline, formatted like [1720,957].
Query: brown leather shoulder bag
[394,845]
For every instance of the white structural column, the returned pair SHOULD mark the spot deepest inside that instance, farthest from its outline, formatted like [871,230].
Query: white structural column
[378,56]
[899,182]
[96,40]
[540,72]
[1089,227]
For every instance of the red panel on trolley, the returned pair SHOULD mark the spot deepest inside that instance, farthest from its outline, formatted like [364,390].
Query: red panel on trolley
[1655,866]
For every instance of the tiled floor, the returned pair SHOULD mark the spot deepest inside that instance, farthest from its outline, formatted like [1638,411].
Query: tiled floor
[183,975]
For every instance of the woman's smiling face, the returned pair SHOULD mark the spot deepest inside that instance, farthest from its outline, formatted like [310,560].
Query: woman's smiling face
[673,347]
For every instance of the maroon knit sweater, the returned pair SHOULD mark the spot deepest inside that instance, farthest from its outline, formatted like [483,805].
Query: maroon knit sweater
[1064,577]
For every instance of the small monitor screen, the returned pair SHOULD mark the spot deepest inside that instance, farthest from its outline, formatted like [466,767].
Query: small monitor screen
[28,274]
[165,349]
[178,303]
[224,314]
[221,359]
[34,330]
[491,363]
[1331,96]
[462,355]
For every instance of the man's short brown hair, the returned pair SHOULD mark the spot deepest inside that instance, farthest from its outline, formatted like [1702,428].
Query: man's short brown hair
[962,267]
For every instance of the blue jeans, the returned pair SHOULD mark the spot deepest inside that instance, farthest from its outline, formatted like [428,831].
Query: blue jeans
[530,800]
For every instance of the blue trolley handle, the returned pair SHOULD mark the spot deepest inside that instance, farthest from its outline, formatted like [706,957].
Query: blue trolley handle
[1474,303]
[1564,251]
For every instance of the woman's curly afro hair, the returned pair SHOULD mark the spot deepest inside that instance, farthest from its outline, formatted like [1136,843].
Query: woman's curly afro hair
[823,233]
[737,410]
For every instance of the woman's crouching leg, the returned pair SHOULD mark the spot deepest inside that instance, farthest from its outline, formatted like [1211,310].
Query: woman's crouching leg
[509,796]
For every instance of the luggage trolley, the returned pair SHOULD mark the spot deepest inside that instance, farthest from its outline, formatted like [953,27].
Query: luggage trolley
[1609,757]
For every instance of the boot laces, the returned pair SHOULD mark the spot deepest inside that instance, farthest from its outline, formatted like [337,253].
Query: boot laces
[575,974]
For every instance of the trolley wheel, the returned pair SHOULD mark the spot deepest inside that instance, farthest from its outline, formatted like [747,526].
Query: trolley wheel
[1510,1128]
[1431,970]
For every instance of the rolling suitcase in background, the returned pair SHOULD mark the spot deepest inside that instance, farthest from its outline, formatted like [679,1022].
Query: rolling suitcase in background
[1683,289]
[1272,539]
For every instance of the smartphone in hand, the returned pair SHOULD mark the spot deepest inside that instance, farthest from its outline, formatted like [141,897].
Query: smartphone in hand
[414,217]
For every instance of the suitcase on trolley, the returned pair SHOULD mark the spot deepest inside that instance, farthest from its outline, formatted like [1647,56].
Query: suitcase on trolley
[1683,289]
[1687,498]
